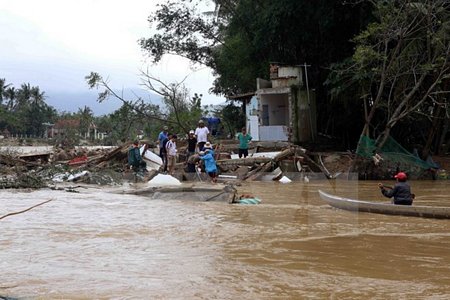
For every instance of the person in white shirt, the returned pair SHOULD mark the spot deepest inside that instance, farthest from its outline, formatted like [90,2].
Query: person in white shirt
[171,148]
[201,132]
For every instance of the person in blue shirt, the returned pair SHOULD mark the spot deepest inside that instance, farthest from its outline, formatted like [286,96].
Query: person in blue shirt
[163,137]
[209,146]
[210,164]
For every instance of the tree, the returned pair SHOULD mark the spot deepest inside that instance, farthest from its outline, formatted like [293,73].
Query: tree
[24,110]
[245,35]
[401,63]
[126,123]
[36,96]
[185,31]
[23,97]
[10,94]
[181,111]
[3,88]
[86,117]
[232,117]
[34,116]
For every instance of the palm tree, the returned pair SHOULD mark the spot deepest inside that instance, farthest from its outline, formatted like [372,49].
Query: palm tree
[23,96]
[86,116]
[36,96]
[3,87]
[10,93]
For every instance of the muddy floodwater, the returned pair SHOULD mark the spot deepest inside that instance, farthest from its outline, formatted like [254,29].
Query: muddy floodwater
[99,245]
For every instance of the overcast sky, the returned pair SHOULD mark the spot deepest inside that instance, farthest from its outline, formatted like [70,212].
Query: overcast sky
[54,44]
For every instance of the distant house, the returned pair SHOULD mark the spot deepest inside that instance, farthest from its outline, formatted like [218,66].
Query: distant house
[63,126]
[282,109]
[73,125]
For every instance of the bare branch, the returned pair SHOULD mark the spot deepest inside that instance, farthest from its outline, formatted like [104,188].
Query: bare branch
[25,210]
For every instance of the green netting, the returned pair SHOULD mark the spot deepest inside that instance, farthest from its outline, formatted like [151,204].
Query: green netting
[366,147]
[393,155]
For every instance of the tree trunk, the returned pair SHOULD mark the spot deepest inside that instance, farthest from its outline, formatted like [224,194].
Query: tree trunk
[433,130]
[264,168]
[381,140]
[442,150]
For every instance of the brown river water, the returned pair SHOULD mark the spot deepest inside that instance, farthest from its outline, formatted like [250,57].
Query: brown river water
[99,245]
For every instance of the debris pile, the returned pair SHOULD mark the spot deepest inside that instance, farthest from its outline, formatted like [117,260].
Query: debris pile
[108,166]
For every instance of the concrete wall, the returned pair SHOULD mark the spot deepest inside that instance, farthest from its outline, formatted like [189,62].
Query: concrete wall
[304,128]
[278,108]
[284,109]
[297,72]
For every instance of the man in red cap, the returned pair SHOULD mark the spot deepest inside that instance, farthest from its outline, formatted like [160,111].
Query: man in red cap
[401,190]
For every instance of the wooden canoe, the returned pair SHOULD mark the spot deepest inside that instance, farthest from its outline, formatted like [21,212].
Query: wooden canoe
[386,208]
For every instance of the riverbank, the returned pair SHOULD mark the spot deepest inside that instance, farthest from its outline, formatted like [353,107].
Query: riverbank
[40,165]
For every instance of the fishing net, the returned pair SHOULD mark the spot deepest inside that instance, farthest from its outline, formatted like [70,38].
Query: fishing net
[394,156]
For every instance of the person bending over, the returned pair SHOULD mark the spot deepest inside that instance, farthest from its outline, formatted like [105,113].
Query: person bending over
[210,164]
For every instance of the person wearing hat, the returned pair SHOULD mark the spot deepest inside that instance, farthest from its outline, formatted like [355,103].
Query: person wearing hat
[201,133]
[210,163]
[401,190]
[192,144]
[208,146]
[135,160]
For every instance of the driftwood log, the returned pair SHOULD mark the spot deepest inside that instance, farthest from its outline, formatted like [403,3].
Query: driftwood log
[262,169]
[275,145]
[248,161]
[320,167]
[267,166]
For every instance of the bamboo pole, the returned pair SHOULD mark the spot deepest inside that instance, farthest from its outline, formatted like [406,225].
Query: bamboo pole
[25,210]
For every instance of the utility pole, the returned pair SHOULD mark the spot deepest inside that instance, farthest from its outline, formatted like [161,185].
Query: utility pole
[309,100]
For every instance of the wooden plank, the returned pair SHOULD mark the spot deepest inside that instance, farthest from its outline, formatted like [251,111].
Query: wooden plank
[264,168]
[248,161]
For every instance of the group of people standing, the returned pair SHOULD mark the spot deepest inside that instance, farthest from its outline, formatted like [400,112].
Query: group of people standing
[167,149]
[197,142]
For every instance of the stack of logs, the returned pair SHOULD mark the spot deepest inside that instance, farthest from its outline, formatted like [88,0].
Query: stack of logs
[260,165]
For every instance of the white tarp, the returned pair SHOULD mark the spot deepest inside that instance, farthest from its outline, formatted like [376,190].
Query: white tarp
[163,179]
[154,162]
[284,179]
[258,154]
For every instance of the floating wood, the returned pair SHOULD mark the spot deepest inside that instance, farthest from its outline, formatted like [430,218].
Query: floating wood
[264,168]
[248,161]
[321,168]
[283,154]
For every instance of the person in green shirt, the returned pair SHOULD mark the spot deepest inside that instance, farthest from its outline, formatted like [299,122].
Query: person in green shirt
[243,138]
[135,160]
